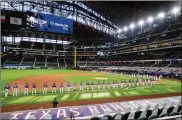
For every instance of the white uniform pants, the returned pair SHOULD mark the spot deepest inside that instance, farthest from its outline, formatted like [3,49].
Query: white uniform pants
[108,86]
[113,85]
[53,89]
[92,87]
[103,87]
[68,89]
[81,88]
[15,91]
[26,91]
[87,87]
[122,85]
[143,83]
[61,89]
[45,91]
[98,87]
[6,92]
[33,91]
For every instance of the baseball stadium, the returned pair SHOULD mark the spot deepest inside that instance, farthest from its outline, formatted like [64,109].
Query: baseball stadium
[91,60]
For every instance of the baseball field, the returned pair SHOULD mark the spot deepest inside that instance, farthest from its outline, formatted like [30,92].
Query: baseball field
[163,87]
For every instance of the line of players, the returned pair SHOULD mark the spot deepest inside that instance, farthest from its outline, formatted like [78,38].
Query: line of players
[114,84]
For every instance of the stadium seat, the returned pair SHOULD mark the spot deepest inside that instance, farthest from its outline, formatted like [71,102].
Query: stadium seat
[125,116]
[154,114]
[106,115]
[31,117]
[117,116]
[47,117]
[175,111]
[138,112]
[13,118]
[164,112]
[131,116]
[143,116]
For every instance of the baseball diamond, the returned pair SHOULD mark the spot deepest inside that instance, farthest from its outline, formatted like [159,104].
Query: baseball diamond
[103,60]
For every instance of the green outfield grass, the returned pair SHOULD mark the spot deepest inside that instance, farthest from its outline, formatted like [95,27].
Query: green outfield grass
[9,75]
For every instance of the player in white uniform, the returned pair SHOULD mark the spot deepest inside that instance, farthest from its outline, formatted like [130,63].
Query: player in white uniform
[98,85]
[33,89]
[54,88]
[81,86]
[87,85]
[103,85]
[45,88]
[61,88]
[6,90]
[93,86]
[68,87]
[108,85]
[26,89]
[15,89]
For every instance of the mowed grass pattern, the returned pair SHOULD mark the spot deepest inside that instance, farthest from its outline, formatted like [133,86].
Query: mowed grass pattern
[7,76]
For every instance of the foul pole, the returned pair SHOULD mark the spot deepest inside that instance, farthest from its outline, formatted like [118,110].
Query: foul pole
[75,58]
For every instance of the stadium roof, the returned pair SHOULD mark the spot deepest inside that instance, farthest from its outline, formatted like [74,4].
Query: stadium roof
[125,12]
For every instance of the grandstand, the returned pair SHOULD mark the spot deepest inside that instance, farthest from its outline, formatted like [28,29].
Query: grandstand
[96,38]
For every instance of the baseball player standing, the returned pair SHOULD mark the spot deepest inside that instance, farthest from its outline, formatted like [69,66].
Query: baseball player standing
[15,89]
[6,90]
[26,89]
[103,85]
[87,85]
[81,86]
[54,88]
[143,82]
[45,88]
[92,86]
[33,88]
[74,86]
[98,85]
[68,87]
[113,84]
[108,85]
[61,88]
[122,83]
[137,82]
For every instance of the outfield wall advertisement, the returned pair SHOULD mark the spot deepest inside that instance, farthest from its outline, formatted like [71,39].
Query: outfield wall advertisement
[51,23]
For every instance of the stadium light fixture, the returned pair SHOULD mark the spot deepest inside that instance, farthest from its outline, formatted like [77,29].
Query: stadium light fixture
[175,10]
[132,26]
[150,19]
[141,22]
[161,15]
[119,31]
[125,29]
